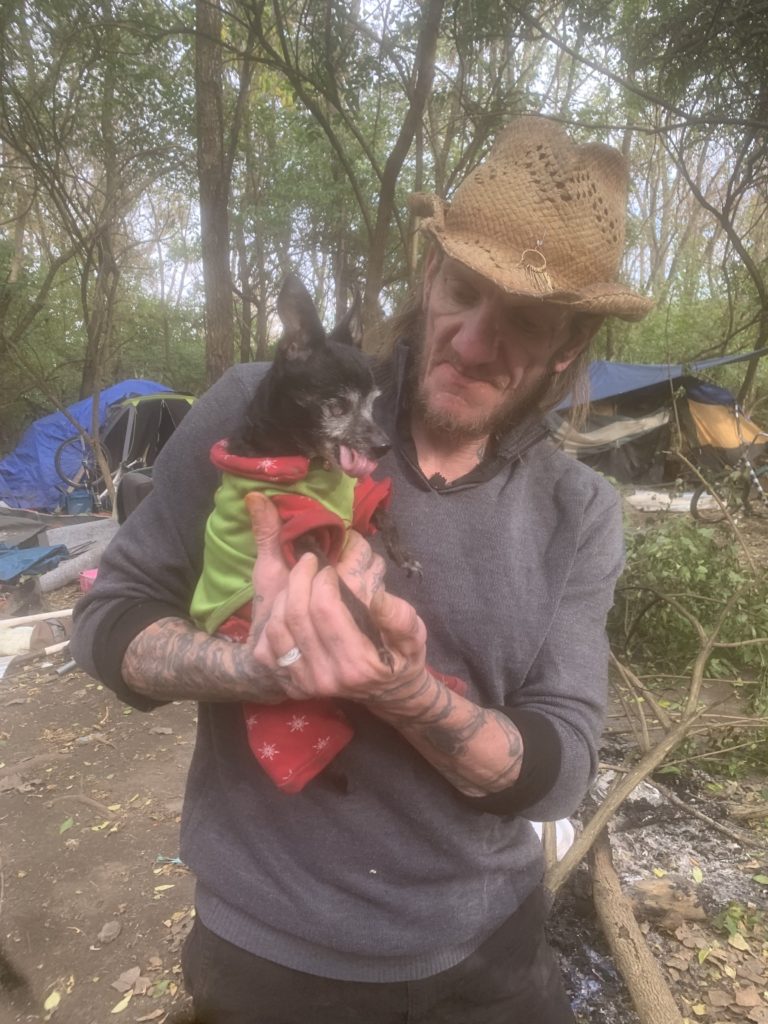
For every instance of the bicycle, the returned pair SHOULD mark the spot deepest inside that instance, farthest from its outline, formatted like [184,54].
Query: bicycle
[741,489]
[77,465]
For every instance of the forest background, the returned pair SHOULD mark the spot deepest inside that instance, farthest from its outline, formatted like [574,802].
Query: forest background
[164,163]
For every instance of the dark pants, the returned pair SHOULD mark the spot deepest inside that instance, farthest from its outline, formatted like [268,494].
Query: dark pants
[511,979]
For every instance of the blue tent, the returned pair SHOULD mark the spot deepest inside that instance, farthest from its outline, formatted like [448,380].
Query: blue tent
[28,478]
[606,380]
[629,436]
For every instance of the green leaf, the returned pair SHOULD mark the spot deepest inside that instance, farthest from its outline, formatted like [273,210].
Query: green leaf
[65,826]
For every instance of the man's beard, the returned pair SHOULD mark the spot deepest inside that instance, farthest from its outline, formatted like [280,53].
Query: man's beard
[514,409]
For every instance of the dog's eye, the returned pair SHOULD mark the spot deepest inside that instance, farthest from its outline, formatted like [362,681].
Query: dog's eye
[338,406]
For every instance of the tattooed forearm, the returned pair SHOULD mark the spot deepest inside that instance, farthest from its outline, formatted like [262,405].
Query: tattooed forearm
[478,750]
[173,660]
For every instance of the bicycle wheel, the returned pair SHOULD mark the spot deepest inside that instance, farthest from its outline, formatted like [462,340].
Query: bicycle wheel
[76,463]
[755,498]
[704,506]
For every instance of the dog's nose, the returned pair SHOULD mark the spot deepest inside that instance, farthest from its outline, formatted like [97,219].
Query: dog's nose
[380,450]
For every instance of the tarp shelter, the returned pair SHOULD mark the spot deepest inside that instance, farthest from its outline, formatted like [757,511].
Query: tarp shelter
[631,416]
[136,418]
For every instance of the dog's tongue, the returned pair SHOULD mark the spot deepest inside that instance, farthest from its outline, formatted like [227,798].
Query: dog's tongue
[353,463]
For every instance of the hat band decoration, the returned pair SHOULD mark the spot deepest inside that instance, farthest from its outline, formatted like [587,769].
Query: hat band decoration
[534,263]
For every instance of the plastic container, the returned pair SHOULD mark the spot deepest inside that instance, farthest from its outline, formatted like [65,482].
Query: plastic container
[79,502]
[87,579]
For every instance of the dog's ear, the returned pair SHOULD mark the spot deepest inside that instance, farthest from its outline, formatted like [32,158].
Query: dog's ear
[303,330]
[349,330]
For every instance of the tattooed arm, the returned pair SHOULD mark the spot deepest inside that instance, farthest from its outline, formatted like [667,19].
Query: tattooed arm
[478,750]
[174,660]
[171,659]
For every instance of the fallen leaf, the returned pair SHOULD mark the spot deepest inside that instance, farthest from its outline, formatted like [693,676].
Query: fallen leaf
[678,963]
[141,986]
[52,1001]
[127,979]
[123,1004]
[150,1016]
[659,872]
[748,996]
[738,941]
[109,932]
[697,875]
[66,825]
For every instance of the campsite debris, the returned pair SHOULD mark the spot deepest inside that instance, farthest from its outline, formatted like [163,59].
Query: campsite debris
[22,660]
[744,838]
[15,641]
[70,570]
[24,620]
[132,981]
[666,901]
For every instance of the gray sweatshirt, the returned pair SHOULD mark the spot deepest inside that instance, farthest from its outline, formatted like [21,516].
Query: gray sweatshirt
[395,875]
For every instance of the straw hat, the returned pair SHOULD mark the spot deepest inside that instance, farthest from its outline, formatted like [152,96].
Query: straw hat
[543,218]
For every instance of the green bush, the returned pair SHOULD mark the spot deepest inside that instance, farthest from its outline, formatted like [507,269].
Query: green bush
[700,568]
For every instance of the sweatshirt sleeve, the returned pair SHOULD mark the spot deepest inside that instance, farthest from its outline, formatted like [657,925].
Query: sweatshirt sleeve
[568,681]
[151,567]
[560,708]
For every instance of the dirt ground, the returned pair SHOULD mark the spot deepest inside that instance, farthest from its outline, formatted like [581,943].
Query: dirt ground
[94,903]
[91,887]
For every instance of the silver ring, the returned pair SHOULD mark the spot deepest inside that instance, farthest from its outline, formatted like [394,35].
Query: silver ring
[289,658]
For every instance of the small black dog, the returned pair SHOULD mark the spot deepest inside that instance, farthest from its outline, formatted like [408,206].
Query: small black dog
[316,400]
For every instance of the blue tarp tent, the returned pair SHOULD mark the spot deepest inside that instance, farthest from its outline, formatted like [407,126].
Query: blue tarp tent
[607,380]
[628,426]
[28,478]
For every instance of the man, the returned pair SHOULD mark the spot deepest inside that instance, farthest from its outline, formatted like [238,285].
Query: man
[405,883]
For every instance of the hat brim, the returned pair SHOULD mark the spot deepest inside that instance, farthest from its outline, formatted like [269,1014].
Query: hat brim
[609,298]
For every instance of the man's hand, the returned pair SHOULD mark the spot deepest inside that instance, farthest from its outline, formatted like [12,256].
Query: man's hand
[270,571]
[360,569]
[478,750]
[303,608]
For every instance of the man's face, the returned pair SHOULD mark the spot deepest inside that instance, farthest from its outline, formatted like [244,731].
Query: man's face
[486,358]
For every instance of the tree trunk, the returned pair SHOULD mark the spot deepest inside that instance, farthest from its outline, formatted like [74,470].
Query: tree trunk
[749,377]
[100,273]
[424,70]
[213,177]
[246,307]
[650,992]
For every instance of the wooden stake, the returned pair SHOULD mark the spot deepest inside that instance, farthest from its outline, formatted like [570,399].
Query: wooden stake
[22,620]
